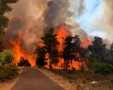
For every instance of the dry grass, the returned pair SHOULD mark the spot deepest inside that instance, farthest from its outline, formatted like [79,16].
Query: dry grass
[80,80]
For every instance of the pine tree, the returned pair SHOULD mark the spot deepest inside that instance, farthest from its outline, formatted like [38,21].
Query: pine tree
[98,49]
[51,44]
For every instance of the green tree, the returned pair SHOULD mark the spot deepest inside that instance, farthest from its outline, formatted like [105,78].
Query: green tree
[51,44]
[98,50]
[6,57]
[4,8]
[110,54]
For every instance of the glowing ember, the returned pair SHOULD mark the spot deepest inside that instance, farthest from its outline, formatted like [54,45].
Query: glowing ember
[19,52]
[77,65]
[60,64]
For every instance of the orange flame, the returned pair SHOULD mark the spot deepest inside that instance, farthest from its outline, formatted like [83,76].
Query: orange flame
[19,52]
[86,43]
[62,32]
[40,44]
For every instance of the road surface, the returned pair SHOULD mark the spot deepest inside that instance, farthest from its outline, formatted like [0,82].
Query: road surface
[33,79]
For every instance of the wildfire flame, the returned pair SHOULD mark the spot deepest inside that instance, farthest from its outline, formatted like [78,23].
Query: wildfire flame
[86,43]
[62,33]
[19,52]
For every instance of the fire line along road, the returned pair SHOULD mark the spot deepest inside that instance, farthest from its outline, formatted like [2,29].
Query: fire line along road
[33,79]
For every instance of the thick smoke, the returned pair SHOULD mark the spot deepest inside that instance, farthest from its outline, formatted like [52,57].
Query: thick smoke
[27,19]
[30,18]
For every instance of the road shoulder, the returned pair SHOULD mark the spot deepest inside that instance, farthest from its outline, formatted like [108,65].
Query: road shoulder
[60,80]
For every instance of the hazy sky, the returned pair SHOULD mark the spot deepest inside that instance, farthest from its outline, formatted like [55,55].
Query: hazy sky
[96,18]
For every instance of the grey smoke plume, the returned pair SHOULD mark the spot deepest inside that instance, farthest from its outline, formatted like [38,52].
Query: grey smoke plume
[31,17]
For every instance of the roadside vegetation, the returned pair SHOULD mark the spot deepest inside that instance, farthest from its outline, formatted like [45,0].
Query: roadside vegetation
[97,57]
[7,69]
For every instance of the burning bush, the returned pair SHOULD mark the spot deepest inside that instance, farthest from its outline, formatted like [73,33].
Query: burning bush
[24,62]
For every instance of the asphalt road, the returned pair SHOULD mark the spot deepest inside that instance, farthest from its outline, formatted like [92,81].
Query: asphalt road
[33,79]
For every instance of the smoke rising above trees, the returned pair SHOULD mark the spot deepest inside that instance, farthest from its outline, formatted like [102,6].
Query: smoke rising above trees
[31,18]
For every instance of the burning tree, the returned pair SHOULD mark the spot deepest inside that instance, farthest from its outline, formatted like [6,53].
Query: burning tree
[68,53]
[51,44]
[60,50]
[40,58]
[74,52]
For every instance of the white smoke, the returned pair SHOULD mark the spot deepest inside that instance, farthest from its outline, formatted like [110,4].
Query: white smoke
[96,17]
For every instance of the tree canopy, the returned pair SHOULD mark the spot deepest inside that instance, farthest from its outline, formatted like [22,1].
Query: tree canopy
[4,8]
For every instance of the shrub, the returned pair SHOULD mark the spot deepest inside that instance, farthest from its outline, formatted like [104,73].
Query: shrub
[8,71]
[24,62]
[104,69]
[6,57]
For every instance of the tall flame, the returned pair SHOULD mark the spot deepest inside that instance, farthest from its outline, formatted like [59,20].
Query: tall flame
[62,32]
[19,52]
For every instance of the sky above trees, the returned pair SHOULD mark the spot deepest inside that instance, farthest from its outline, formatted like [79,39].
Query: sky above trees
[96,17]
